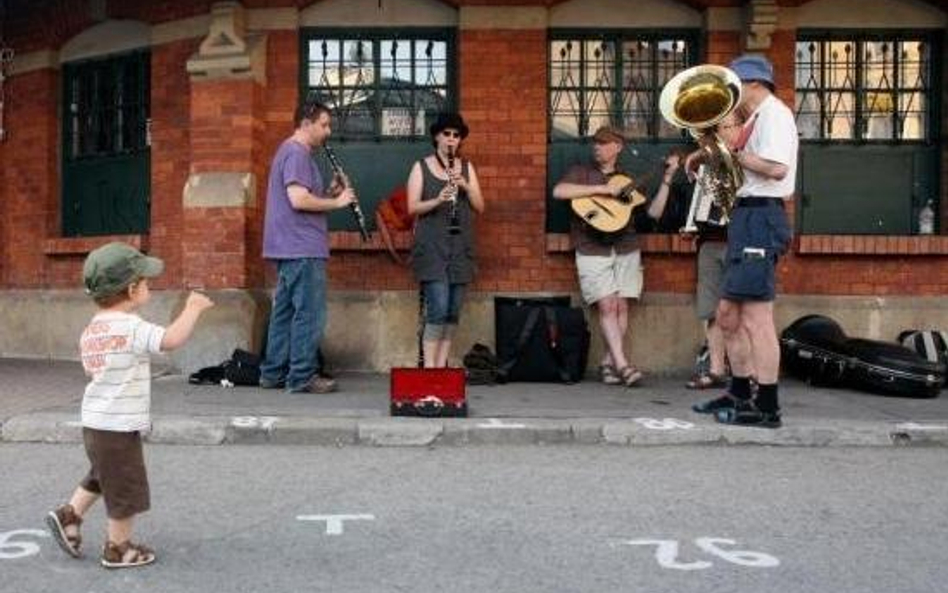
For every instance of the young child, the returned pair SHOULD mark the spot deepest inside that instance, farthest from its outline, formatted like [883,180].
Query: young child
[115,350]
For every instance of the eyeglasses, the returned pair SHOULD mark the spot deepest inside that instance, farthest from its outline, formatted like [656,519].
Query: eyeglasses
[450,134]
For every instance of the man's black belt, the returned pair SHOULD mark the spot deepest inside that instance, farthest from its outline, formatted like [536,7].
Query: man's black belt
[752,202]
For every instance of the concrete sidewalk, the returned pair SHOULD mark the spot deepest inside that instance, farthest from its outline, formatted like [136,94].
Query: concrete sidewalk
[39,402]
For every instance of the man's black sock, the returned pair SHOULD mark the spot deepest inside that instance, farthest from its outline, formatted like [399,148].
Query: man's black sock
[767,398]
[740,388]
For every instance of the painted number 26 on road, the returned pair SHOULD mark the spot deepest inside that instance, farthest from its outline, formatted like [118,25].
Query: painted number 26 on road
[666,553]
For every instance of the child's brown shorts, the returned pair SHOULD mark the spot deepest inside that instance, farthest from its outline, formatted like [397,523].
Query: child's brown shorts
[117,471]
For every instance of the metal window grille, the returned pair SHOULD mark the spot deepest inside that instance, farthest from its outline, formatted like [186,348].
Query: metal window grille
[380,84]
[852,87]
[107,104]
[613,78]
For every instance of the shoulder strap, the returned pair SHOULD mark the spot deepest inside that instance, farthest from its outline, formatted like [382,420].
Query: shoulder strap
[388,240]
[532,318]
[553,329]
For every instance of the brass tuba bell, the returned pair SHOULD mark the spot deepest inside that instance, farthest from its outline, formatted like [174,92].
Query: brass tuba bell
[697,99]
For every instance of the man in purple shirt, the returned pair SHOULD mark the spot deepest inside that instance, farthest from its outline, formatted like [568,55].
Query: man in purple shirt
[296,238]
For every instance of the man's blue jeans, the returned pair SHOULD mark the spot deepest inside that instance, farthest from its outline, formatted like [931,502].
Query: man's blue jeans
[297,322]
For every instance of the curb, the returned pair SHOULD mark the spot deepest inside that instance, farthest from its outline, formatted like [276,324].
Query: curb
[421,432]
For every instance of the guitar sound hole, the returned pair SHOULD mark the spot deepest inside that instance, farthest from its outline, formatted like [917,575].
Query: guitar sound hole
[591,215]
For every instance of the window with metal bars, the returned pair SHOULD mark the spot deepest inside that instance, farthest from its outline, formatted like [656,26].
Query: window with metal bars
[865,86]
[381,84]
[599,78]
[107,104]
[106,156]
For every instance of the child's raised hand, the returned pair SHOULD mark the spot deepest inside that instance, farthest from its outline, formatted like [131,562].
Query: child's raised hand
[198,301]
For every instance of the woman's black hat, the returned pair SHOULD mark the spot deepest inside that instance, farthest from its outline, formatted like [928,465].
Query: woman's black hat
[449,121]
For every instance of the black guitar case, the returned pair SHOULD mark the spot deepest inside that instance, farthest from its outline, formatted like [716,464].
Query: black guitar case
[893,369]
[815,348]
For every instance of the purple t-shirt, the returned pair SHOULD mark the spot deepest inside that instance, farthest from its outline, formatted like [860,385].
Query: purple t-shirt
[289,233]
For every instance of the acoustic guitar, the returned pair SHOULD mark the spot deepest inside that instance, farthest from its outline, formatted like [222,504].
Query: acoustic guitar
[607,213]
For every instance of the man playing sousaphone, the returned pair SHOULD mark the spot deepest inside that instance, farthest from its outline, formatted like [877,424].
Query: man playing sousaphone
[758,234]
[609,264]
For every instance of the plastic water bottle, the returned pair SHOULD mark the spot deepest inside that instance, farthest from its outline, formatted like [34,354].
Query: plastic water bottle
[926,219]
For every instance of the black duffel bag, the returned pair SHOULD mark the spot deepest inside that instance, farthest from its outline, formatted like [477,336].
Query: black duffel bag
[540,340]
[243,368]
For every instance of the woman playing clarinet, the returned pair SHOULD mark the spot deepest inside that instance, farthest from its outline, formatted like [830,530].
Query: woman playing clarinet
[443,192]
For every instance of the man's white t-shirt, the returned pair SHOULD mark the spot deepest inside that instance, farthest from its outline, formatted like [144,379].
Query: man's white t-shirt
[115,349]
[773,138]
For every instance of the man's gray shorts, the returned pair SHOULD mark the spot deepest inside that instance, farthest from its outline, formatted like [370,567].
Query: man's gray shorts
[712,260]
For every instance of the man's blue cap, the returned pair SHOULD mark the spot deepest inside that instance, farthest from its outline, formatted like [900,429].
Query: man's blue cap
[752,67]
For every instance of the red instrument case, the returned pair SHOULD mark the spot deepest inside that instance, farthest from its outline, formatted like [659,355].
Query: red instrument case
[428,392]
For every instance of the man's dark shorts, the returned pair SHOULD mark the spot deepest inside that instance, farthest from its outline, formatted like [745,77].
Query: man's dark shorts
[117,471]
[758,235]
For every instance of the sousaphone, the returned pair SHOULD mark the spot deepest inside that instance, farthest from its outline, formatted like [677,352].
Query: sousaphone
[697,99]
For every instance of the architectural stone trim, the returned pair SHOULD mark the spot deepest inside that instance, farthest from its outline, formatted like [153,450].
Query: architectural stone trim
[35,60]
[108,37]
[179,30]
[379,13]
[272,19]
[226,51]
[718,19]
[624,13]
[859,14]
[760,23]
[503,17]
[220,190]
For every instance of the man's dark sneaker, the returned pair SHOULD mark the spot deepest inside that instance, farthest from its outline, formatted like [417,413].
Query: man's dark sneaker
[269,384]
[725,402]
[747,414]
[318,384]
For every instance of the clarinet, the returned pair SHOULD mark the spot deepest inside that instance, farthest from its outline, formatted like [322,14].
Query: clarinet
[454,224]
[354,206]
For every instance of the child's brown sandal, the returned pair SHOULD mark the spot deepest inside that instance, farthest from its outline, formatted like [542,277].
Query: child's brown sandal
[64,524]
[126,555]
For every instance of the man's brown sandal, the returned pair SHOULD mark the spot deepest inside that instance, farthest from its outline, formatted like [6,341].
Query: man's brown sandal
[64,524]
[608,375]
[126,555]
[630,375]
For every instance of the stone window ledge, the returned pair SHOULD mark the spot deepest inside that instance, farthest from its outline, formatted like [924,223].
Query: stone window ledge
[352,241]
[649,242]
[83,245]
[910,245]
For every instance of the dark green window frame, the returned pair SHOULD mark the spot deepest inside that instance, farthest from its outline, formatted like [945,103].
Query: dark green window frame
[383,84]
[106,185]
[372,110]
[614,77]
[859,86]
[591,84]
[868,109]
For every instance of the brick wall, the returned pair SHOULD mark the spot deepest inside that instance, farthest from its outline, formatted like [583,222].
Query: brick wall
[30,183]
[502,93]
[503,81]
[170,153]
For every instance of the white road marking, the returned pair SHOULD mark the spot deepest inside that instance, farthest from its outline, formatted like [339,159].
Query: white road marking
[499,424]
[263,422]
[334,523]
[666,553]
[916,426]
[14,550]
[664,423]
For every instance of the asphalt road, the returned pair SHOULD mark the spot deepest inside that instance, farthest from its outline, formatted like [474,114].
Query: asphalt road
[499,519]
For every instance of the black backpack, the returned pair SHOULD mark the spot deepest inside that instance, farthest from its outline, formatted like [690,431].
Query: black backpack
[540,340]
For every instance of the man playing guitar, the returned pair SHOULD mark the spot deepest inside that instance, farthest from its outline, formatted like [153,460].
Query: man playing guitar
[609,265]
